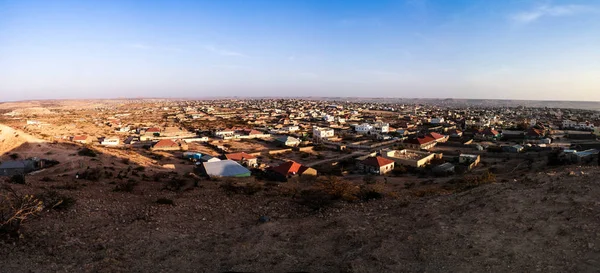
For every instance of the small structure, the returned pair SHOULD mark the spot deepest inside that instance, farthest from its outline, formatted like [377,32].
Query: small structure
[289,169]
[243,158]
[194,156]
[208,158]
[288,141]
[20,167]
[83,139]
[223,168]
[166,145]
[376,165]
[424,143]
[109,142]
[469,160]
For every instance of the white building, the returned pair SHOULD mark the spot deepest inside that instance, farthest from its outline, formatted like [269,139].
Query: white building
[328,118]
[321,133]
[110,142]
[381,127]
[363,128]
[291,128]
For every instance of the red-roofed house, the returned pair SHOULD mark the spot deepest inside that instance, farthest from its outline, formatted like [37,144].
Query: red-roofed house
[166,145]
[290,168]
[376,165]
[81,139]
[439,138]
[243,158]
[426,143]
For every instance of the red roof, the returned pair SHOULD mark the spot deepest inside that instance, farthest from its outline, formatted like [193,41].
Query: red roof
[79,138]
[153,130]
[288,168]
[377,161]
[239,156]
[436,135]
[491,132]
[166,143]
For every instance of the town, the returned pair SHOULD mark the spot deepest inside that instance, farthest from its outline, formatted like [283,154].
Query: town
[283,139]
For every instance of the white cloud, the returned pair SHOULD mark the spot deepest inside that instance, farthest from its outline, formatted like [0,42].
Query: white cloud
[525,17]
[223,52]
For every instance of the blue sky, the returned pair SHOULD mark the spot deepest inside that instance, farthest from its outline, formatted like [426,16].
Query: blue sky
[509,49]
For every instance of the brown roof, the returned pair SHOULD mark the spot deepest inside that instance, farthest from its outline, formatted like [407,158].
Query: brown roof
[377,161]
[239,156]
[153,130]
[166,143]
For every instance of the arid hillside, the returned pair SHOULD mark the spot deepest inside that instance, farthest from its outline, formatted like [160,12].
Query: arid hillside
[546,222]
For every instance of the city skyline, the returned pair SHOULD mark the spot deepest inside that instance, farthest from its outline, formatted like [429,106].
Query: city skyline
[529,50]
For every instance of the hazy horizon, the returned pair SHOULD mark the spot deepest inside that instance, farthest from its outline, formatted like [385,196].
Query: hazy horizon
[470,49]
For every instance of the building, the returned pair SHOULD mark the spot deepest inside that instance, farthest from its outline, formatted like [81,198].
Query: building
[411,158]
[376,165]
[439,138]
[223,168]
[289,169]
[243,158]
[81,139]
[425,143]
[364,128]
[19,167]
[194,156]
[288,141]
[469,160]
[380,128]
[322,133]
[166,145]
[109,142]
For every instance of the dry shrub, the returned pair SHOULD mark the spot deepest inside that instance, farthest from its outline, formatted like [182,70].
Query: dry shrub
[55,200]
[92,174]
[371,192]
[248,188]
[165,201]
[337,188]
[87,152]
[127,186]
[470,182]
[176,184]
[15,209]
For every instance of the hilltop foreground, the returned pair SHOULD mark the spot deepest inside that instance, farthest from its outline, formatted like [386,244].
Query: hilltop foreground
[547,222]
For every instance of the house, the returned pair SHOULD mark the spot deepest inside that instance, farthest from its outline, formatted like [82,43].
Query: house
[512,148]
[533,133]
[208,158]
[322,133]
[223,168]
[488,134]
[166,145]
[288,169]
[109,141]
[288,141]
[81,139]
[18,167]
[380,128]
[243,158]
[406,157]
[425,143]
[224,133]
[364,128]
[469,160]
[376,165]
[439,138]
[154,131]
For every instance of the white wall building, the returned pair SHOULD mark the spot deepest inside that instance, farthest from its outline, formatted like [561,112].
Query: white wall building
[363,128]
[321,133]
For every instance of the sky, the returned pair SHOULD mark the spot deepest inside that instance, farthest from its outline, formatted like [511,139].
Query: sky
[508,49]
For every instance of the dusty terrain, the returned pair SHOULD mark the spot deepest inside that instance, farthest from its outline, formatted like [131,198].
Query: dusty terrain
[544,221]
